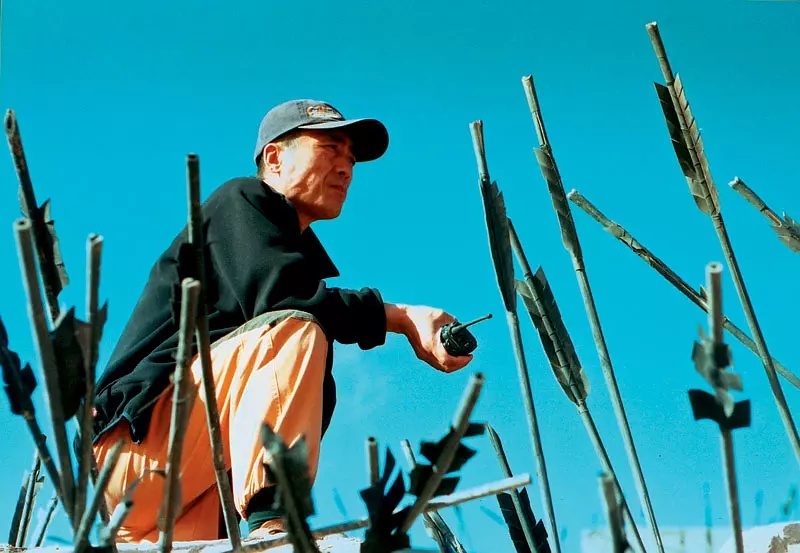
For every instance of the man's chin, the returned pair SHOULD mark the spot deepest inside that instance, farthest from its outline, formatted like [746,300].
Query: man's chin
[329,215]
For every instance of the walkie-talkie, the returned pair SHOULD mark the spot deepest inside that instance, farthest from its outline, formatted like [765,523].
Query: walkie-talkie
[457,340]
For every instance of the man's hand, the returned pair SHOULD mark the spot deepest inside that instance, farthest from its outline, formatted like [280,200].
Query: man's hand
[421,325]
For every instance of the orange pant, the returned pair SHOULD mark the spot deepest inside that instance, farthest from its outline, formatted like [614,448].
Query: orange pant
[267,371]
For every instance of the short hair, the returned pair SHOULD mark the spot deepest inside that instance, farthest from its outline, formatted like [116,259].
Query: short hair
[285,141]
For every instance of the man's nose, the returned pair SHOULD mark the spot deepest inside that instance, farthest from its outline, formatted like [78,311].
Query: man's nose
[345,169]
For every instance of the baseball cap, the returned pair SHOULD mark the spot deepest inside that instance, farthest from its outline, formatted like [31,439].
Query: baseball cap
[370,137]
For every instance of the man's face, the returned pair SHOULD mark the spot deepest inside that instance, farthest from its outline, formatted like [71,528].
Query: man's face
[315,174]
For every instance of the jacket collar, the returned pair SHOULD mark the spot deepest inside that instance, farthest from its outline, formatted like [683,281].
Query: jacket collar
[309,242]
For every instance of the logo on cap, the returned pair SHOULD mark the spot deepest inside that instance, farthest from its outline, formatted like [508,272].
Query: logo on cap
[323,111]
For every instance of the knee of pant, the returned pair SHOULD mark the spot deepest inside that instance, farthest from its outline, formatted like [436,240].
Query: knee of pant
[313,329]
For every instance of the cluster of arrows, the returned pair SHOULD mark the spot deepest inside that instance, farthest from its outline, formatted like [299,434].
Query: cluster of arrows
[68,350]
[711,355]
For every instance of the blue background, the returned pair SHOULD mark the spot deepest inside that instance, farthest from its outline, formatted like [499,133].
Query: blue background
[111,97]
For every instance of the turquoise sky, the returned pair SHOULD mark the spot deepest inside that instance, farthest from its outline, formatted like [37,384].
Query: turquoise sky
[112,96]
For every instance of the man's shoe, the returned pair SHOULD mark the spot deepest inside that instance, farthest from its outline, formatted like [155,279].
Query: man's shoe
[270,529]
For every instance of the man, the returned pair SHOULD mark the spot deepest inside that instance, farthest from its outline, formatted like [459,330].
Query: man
[272,319]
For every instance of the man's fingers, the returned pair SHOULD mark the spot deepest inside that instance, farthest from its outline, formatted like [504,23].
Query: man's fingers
[452,364]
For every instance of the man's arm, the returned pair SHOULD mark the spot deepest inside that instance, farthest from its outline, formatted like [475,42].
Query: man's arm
[421,325]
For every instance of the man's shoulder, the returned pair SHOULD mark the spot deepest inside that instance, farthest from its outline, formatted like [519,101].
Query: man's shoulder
[240,193]
[237,187]
[248,200]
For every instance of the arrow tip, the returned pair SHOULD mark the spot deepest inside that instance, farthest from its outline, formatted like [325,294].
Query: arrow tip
[10,120]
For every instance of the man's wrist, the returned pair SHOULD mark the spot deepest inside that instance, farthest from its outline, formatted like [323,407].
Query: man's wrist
[397,319]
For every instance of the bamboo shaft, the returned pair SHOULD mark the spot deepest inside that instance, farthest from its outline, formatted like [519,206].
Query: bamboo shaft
[446,456]
[533,428]
[434,504]
[572,244]
[671,276]
[195,225]
[516,500]
[755,328]
[372,460]
[591,429]
[181,406]
[729,465]
[48,362]
[85,526]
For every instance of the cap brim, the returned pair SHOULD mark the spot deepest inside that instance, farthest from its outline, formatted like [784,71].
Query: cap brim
[370,137]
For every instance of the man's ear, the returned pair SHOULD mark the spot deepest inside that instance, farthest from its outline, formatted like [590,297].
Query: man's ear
[270,158]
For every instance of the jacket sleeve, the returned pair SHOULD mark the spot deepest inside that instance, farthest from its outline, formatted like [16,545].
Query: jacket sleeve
[260,268]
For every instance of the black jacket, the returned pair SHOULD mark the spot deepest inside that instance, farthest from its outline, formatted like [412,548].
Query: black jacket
[256,261]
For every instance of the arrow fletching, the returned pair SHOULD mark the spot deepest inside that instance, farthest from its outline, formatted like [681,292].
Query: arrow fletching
[421,472]
[496,223]
[789,233]
[68,336]
[51,250]
[551,176]
[707,406]
[675,133]
[688,145]
[440,532]
[381,502]
[19,382]
[680,117]
[709,358]
[547,164]
[514,523]
[51,263]
[288,468]
[546,317]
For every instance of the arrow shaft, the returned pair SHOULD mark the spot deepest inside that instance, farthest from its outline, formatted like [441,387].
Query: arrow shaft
[533,427]
[549,324]
[195,232]
[602,455]
[295,519]
[608,492]
[16,519]
[87,520]
[714,287]
[50,277]
[671,276]
[435,504]
[755,329]
[115,521]
[30,502]
[515,497]
[600,343]
[733,492]
[44,455]
[373,470]
[48,361]
[445,458]
[41,529]
[748,194]
[87,460]
[433,520]
[616,397]
[181,405]
[701,176]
